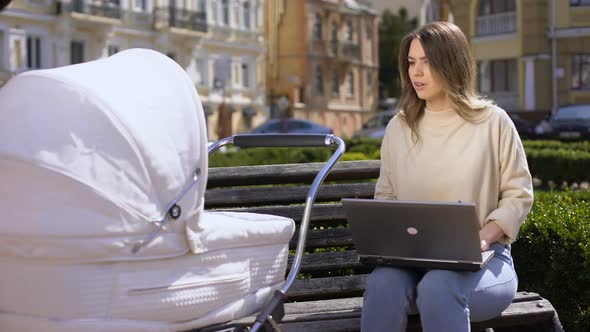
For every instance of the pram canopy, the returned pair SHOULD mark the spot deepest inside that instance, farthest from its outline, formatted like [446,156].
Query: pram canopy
[99,160]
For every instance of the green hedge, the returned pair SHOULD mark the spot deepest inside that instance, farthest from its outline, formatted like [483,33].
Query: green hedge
[559,164]
[552,254]
[267,156]
[548,160]
[545,144]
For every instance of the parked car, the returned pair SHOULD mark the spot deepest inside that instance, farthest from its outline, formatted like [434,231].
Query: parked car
[296,126]
[524,128]
[571,122]
[375,126]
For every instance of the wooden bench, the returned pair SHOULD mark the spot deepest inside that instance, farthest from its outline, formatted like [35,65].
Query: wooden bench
[328,296]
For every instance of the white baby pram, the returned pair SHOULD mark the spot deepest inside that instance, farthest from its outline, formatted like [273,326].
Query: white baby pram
[103,168]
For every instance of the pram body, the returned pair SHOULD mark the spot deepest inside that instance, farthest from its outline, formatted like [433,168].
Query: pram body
[91,156]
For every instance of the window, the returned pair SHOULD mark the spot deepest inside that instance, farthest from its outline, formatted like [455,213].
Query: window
[369,29]
[201,6]
[350,79]
[317,27]
[369,79]
[236,74]
[225,11]
[141,5]
[579,3]
[236,15]
[335,85]
[581,71]
[334,41]
[247,24]
[33,52]
[319,81]
[349,30]
[498,76]
[245,76]
[113,49]
[496,17]
[334,32]
[17,53]
[201,65]
[490,7]
[433,12]
[76,52]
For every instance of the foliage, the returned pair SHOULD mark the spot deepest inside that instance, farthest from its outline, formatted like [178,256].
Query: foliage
[547,144]
[267,156]
[560,164]
[548,160]
[392,29]
[552,254]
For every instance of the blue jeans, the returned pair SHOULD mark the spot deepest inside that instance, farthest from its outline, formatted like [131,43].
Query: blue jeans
[446,300]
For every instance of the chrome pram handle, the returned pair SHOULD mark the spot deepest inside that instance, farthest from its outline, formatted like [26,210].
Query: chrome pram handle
[289,140]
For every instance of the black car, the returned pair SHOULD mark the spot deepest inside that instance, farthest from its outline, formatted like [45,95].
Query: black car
[294,126]
[572,122]
[524,128]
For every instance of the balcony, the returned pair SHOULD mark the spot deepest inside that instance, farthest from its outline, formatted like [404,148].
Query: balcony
[138,19]
[496,24]
[106,9]
[182,18]
[350,51]
[342,51]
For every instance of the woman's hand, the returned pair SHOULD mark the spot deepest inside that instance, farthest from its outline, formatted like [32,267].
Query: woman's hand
[489,234]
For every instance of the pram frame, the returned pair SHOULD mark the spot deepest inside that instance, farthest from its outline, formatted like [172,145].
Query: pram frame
[271,314]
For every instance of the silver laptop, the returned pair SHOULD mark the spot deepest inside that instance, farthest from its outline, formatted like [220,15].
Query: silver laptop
[430,235]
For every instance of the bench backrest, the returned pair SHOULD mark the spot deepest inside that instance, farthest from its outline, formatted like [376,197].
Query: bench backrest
[330,268]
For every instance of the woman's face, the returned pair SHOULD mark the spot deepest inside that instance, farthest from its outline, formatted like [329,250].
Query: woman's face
[425,82]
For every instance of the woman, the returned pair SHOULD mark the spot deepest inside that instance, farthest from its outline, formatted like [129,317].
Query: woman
[449,144]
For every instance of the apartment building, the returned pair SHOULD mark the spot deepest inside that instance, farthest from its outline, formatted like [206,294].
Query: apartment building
[220,44]
[323,57]
[512,41]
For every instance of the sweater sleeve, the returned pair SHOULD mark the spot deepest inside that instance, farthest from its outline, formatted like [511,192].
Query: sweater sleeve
[385,189]
[516,188]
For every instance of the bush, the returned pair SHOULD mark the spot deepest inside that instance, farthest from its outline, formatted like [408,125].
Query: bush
[581,146]
[552,254]
[268,156]
[559,164]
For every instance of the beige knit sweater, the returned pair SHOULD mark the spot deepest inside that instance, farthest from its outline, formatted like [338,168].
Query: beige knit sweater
[456,160]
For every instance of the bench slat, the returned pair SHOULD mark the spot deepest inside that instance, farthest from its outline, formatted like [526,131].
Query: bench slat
[325,238]
[333,212]
[290,173]
[329,261]
[284,195]
[343,286]
[303,316]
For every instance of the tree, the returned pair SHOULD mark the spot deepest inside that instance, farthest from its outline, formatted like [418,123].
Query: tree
[392,28]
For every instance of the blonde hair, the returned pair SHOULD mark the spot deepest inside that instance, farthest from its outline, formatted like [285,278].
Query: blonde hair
[449,55]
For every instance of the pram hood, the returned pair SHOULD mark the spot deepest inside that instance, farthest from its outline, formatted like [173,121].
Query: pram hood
[91,155]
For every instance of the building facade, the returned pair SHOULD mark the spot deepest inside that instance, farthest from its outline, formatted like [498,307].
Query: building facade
[219,43]
[517,58]
[323,58]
